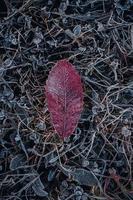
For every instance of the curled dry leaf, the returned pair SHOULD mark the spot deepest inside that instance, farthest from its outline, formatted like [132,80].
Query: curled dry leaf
[64,94]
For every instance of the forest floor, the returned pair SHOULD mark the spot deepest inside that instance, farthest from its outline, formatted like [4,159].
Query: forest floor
[96,162]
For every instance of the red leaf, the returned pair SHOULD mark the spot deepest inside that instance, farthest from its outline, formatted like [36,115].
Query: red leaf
[64,94]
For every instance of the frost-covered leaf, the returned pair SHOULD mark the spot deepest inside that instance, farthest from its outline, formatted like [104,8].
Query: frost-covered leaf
[8,93]
[38,36]
[64,95]
[2,114]
[62,7]
[51,175]
[41,125]
[38,188]
[69,33]
[17,161]
[125,131]
[7,62]
[51,158]
[84,177]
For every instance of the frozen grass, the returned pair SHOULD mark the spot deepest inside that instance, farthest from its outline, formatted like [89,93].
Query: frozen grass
[96,162]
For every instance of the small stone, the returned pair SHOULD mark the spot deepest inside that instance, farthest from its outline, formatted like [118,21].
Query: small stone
[77,30]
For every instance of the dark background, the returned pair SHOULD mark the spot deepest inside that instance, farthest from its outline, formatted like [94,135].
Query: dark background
[96,161]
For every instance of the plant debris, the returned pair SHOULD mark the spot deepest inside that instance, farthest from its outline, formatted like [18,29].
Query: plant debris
[96,36]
